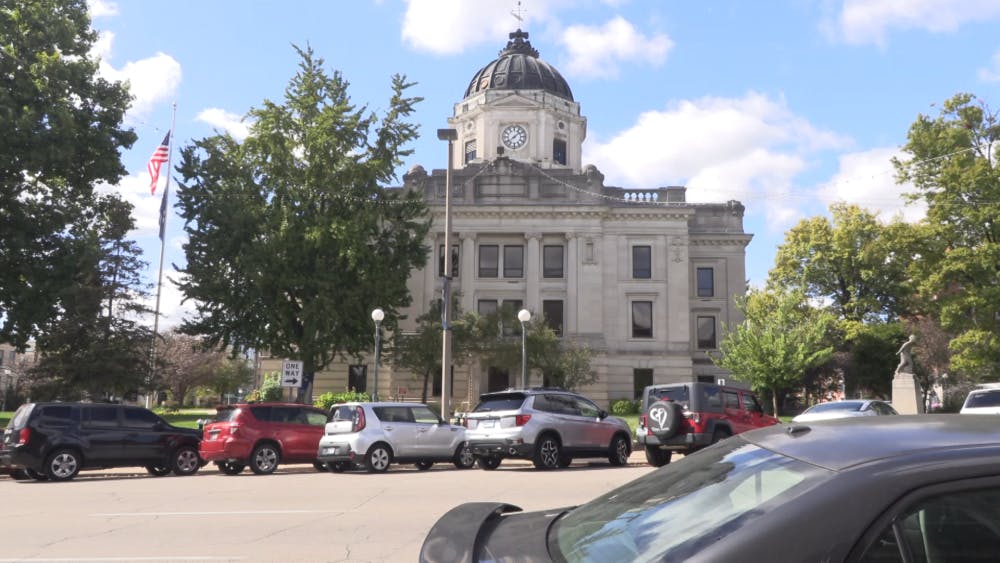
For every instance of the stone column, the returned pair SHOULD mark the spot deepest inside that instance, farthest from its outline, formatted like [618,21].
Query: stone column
[467,272]
[572,291]
[532,274]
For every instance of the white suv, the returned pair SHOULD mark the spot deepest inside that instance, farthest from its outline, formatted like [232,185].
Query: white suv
[982,401]
[378,434]
[548,426]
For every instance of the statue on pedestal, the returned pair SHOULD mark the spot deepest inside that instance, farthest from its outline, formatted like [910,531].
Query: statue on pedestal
[906,356]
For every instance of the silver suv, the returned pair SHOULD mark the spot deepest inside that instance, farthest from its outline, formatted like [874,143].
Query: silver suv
[378,434]
[548,426]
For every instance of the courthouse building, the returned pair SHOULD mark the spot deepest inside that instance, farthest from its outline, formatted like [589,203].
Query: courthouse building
[644,279]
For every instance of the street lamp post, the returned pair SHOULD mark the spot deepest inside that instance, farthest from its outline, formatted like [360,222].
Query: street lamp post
[449,135]
[524,316]
[377,316]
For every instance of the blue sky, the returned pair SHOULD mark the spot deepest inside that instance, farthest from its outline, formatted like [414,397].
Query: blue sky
[785,105]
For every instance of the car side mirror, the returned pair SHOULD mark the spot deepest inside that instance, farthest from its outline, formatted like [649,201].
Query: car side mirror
[602,414]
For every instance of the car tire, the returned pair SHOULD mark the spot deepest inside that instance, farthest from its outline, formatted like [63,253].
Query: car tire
[619,450]
[489,462]
[464,459]
[230,467]
[548,452]
[185,461]
[565,461]
[321,466]
[378,458]
[424,465]
[657,457]
[264,459]
[720,434]
[63,465]
[35,475]
[157,471]
[664,419]
[339,466]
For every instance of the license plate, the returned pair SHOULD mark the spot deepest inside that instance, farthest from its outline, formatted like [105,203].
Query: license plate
[330,450]
[487,424]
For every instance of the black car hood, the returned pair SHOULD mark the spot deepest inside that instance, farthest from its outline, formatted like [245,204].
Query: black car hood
[474,531]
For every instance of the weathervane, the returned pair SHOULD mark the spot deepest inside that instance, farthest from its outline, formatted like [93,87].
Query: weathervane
[518,13]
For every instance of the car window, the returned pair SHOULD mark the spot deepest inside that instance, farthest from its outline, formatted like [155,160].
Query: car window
[315,418]
[983,399]
[343,412]
[711,397]
[677,394]
[586,408]
[262,414]
[836,406]
[750,403]
[504,402]
[226,414]
[140,418]
[393,414]
[57,415]
[424,415]
[21,416]
[962,526]
[731,400]
[102,416]
[562,404]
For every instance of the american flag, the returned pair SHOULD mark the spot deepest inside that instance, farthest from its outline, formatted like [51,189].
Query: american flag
[160,155]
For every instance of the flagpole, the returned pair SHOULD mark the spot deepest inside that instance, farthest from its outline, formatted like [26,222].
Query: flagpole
[159,279]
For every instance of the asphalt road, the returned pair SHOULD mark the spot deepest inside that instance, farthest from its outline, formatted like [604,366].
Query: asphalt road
[296,514]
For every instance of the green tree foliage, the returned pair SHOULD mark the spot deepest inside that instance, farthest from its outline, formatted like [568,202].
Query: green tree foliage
[780,339]
[953,164]
[231,375]
[96,348]
[420,352]
[61,134]
[185,364]
[292,242]
[852,261]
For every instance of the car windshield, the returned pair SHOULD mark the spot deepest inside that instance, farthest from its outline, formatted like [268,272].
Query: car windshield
[675,394]
[837,406]
[672,513]
[987,399]
[505,402]
[20,419]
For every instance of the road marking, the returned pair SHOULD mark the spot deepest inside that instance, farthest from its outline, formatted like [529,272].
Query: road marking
[228,513]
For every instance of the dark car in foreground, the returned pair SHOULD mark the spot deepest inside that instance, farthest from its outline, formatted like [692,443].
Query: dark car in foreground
[56,440]
[920,488]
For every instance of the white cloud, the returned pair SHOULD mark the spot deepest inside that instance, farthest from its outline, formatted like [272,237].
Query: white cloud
[451,26]
[867,179]
[868,21]
[227,121]
[597,51]
[748,148]
[102,8]
[992,72]
[151,80]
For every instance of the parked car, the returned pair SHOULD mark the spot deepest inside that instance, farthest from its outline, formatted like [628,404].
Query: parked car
[982,401]
[550,427]
[887,489]
[56,440]
[684,417]
[263,435]
[379,434]
[845,408]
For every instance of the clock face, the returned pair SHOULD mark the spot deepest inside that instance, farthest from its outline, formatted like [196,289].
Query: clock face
[514,136]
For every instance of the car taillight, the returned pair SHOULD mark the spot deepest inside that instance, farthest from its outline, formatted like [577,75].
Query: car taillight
[359,420]
[693,417]
[23,436]
[521,419]
[644,422]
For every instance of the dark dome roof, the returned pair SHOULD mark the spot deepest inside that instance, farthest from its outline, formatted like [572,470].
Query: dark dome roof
[519,68]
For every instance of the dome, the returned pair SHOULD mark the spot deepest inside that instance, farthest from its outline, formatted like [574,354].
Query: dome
[519,68]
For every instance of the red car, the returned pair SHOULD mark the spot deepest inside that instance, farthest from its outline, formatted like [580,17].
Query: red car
[263,435]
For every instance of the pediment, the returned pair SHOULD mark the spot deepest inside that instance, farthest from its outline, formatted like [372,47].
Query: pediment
[515,101]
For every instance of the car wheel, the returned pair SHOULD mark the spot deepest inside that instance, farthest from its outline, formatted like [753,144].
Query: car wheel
[489,462]
[378,458]
[424,465]
[339,466]
[464,458]
[63,465]
[620,450]
[264,459]
[547,453]
[157,471]
[36,475]
[320,466]
[664,419]
[719,435]
[657,457]
[230,467]
[185,461]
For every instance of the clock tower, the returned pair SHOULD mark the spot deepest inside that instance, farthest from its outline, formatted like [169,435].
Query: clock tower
[520,107]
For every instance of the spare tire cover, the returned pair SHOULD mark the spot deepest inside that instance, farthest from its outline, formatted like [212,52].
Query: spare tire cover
[664,419]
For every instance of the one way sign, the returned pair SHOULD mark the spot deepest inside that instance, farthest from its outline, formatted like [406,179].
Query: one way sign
[291,373]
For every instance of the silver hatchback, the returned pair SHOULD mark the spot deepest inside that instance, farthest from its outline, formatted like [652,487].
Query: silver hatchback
[548,426]
[376,435]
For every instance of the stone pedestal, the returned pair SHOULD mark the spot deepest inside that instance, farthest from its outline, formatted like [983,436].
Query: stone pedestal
[906,394]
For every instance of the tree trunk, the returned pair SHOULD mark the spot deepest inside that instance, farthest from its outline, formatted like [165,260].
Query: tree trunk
[774,400]
[423,394]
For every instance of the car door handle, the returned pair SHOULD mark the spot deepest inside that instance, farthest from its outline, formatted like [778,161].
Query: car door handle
[388,428]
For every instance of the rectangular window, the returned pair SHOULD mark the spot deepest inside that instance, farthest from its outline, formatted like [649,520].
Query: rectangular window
[552,261]
[706,333]
[357,378]
[489,261]
[436,383]
[470,151]
[454,260]
[486,307]
[706,282]
[641,378]
[642,267]
[513,261]
[553,312]
[511,325]
[642,319]
[559,151]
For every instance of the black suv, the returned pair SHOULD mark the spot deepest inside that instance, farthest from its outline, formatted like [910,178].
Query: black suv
[684,417]
[56,440]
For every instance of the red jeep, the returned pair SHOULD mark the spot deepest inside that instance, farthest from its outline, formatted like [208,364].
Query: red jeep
[684,417]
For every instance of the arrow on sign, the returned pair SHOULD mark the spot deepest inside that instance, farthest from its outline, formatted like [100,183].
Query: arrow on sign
[293,381]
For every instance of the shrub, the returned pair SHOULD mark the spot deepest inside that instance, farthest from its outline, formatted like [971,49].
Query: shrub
[328,399]
[269,390]
[624,407]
